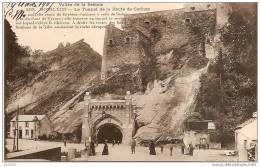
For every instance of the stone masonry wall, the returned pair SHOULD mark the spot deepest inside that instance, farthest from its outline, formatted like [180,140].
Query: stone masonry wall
[159,32]
[171,29]
[121,48]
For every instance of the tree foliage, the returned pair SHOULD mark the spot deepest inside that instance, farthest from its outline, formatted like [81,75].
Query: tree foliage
[19,69]
[11,47]
[228,93]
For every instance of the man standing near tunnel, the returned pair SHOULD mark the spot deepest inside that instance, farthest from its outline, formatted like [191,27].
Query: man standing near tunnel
[92,148]
[133,144]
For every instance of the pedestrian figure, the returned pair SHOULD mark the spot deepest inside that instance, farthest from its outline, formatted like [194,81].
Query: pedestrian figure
[190,149]
[182,148]
[65,142]
[161,146]
[133,144]
[171,147]
[113,142]
[92,148]
[152,148]
[118,142]
[105,149]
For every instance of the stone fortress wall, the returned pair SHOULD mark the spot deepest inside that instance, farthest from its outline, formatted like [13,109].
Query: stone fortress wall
[157,33]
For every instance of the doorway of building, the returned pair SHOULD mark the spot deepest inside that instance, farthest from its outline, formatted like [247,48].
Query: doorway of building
[31,134]
[20,134]
[109,132]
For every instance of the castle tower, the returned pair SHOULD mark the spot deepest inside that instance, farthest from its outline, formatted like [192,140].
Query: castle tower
[128,99]
[107,43]
[85,122]
[104,57]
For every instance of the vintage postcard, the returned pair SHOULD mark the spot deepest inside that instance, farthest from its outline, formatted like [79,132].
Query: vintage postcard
[92,81]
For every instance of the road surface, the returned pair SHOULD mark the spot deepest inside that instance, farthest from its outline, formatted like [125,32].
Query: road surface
[123,152]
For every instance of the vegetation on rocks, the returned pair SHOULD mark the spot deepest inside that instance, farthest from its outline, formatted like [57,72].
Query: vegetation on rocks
[228,91]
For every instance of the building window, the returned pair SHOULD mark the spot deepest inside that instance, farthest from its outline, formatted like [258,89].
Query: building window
[27,124]
[147,24]
[26,132]
[110,42]
[164,22]
[127,40]
[211,125]
[187,20]
[31,133]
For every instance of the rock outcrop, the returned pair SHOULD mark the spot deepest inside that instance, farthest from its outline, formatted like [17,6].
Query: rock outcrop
[165,106]
[67,71]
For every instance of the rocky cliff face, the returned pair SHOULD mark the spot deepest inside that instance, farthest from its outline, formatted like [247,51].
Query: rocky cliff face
[168,102]
[67,71]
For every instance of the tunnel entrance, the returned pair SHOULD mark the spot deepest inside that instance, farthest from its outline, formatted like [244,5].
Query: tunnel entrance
[109,132]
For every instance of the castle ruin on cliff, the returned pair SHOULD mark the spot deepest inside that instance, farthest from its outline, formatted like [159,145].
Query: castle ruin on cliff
[146,35]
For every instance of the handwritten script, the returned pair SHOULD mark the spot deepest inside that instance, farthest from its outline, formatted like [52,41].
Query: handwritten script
[16,11]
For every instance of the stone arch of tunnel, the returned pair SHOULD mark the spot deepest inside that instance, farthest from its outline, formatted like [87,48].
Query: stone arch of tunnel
[108,128]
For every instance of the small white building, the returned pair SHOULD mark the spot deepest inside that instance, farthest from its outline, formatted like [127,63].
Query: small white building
[245,137]
[30,126]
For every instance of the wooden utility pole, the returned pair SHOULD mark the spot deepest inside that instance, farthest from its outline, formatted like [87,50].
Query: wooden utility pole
[17,128]
[16,135]
[14,145]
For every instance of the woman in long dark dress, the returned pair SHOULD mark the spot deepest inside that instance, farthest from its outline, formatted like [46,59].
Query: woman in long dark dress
[92,148]
[152,148]
[105,149]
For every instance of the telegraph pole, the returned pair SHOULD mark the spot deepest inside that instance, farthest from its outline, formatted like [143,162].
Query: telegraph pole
[17,134]
[14,146]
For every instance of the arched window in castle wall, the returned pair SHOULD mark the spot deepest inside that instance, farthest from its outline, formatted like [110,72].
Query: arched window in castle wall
[147,24]
[164,22]
[187,20]
[110,42]
[127,40]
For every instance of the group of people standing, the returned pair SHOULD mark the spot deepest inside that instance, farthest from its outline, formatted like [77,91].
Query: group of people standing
[151,146]
[115,142]
[152,150]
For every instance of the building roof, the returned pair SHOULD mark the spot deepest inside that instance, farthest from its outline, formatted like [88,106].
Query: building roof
[24,118]
[248,129]
[245,123]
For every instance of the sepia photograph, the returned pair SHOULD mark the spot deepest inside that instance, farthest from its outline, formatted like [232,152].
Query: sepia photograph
[96,81]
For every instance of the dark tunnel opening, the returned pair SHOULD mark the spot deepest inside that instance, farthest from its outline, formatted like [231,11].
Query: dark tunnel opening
[109,132]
